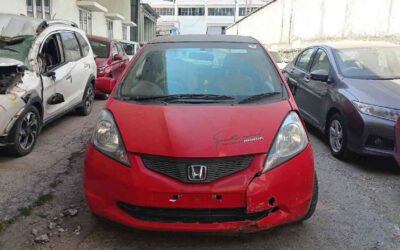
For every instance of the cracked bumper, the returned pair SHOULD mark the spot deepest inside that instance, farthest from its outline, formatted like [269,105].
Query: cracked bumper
[107,183]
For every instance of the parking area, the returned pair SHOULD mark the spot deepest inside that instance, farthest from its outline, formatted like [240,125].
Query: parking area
[42,194]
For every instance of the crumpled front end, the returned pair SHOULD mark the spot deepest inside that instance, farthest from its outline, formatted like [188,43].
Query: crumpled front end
[17,86]
[242,202]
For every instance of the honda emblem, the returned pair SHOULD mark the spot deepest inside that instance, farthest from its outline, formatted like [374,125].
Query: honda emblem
[197,172]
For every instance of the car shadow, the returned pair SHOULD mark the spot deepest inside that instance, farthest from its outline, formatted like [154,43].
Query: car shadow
[372,164]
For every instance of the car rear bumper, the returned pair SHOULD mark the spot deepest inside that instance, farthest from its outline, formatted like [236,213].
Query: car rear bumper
[138,197]
[371,135]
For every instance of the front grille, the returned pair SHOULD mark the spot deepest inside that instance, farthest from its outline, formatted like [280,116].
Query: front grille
[173,215]
[177,168]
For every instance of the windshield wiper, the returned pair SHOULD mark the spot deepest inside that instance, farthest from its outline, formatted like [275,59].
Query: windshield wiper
[184,97]
[258,97]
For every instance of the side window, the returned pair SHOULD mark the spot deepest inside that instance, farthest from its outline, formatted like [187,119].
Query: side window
[50,55]
[72,50]
[321,61]
[114,49]
[121,51]
[84,45]
[304,59]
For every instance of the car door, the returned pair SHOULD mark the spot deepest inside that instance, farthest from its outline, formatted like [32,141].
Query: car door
[76,81]
[55,75]
[298,77]
[316,91]
[115,64]
[125,58]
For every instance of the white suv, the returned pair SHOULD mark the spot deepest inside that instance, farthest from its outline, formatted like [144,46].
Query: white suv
[47,69]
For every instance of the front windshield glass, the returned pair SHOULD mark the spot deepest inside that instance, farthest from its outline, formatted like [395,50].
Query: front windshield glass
[369,63]
[100,49]
[16,48]
[233,70]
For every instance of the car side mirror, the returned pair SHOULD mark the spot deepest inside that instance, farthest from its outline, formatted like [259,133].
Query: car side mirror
[117,57]
[320,75]
[50,74]
[105,84]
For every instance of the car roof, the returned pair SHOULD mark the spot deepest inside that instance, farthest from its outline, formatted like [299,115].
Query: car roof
[359,44]
[203,38]
[126,41]
[100,38]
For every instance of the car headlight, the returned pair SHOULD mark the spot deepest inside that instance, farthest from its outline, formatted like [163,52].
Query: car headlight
[290,141]
[381,112]
[107,139]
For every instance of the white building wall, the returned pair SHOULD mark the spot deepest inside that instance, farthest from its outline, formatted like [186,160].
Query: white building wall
[65,9]
[69,10]
[16,7]
[296,23]
[199,24]
[99,25]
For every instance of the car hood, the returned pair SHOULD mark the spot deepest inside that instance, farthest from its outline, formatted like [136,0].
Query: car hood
[383,93]
[198,131]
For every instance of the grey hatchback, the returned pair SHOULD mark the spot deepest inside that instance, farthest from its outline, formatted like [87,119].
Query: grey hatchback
[351,92]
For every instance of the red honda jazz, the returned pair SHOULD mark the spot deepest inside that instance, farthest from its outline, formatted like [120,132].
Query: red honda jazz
[200,133]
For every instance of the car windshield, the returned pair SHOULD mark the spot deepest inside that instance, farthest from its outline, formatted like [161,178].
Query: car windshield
[129,48]
[218,71]
[277,57]
[100,49]
[16,48]
[369,63]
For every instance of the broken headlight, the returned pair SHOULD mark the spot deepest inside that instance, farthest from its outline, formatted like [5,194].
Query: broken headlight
[108,140]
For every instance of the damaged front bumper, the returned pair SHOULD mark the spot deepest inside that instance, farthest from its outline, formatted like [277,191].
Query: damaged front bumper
[142,199]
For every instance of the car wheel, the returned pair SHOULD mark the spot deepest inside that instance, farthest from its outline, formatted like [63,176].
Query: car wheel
[314,200]
[25,132]
[87,102]
[337,137]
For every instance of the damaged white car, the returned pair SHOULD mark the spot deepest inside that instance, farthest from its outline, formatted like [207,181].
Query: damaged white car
[47,69]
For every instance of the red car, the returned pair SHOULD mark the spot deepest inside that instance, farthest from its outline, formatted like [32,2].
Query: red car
[397,147]
[200,133]
[110,57]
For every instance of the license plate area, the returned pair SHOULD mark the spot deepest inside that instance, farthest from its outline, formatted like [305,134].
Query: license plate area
[199,200]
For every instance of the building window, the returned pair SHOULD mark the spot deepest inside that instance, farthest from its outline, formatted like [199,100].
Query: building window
[165,11]
[125,32]
[191,11]
[244,11]
[38,8]
[29,5]
[221,11]
[110,28]
[85,21]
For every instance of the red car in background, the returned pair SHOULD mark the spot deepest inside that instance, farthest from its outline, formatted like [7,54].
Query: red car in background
[397,147]
[110,57]
[200,134]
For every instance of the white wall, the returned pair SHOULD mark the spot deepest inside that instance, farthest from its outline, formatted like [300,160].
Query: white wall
[65,9]
[294,23]
[16,7]
[99,25]
[199,24]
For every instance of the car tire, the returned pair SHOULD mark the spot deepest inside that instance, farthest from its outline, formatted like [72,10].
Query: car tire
[25,132]
[87,102]
[314,200]
[336,134]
